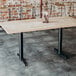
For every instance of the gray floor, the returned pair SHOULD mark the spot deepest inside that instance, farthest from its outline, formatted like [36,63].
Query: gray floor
[39,51]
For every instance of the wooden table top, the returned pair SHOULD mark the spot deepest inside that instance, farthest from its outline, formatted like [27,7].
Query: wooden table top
[37,24]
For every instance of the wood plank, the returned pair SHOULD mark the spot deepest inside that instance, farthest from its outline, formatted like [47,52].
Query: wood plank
[37,24]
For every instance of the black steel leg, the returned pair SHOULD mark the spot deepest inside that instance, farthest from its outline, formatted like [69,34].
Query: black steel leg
[59,51]
[60,41]
[21,47]
[21,50]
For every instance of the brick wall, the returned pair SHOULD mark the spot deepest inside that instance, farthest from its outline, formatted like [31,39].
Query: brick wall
[25,9]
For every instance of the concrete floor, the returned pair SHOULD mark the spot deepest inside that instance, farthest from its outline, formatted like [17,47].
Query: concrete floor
[39,51]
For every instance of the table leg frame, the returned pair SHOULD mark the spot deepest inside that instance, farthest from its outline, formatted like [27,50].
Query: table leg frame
[59,51]
[20,54]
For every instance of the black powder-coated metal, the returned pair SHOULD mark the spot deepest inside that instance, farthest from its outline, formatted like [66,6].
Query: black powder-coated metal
[21,54]
[59,51]
[60,41]
[21,46]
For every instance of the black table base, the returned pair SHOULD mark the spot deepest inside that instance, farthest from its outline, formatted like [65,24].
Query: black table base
[64,55]
[58,51]
[20,54]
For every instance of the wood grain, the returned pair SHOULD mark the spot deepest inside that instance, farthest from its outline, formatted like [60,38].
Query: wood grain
[37,24]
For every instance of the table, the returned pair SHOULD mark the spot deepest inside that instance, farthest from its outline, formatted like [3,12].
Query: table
[21,26]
